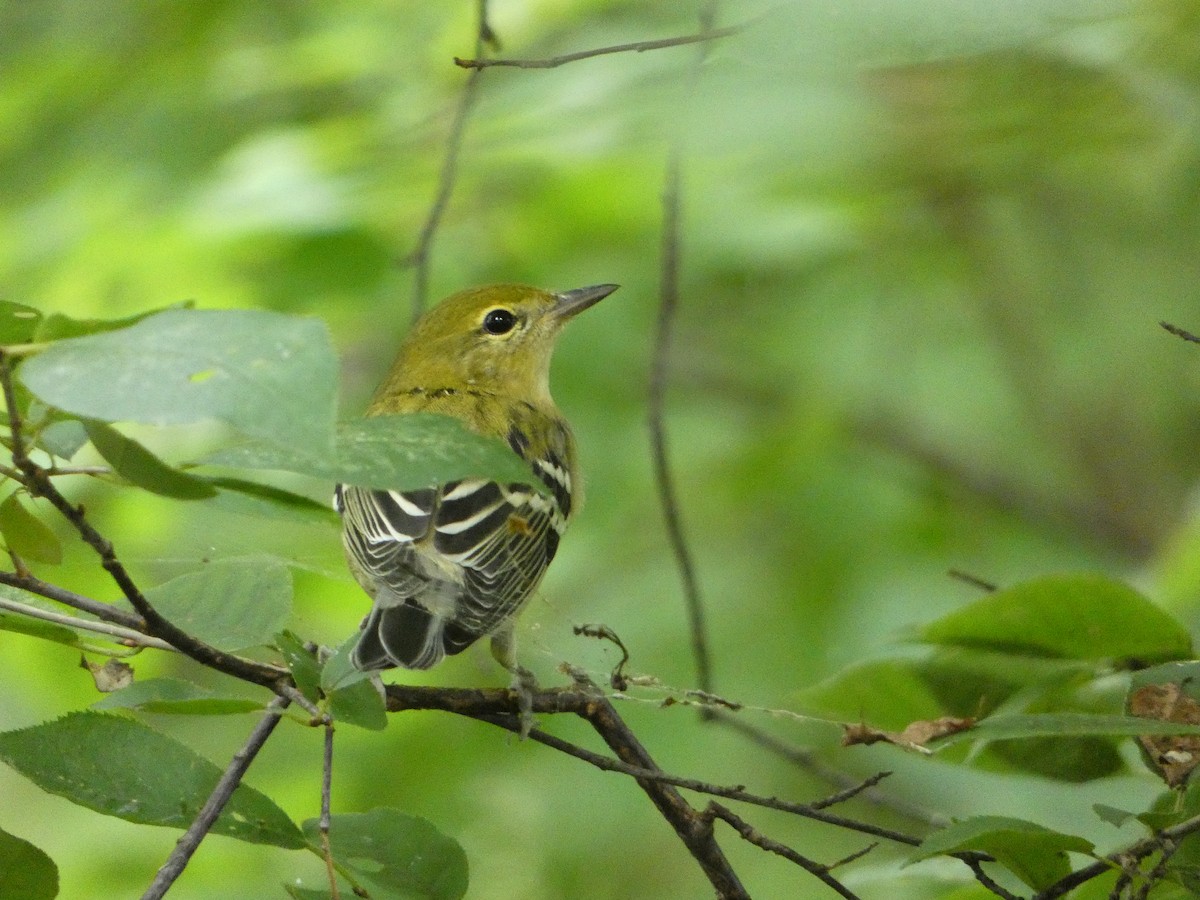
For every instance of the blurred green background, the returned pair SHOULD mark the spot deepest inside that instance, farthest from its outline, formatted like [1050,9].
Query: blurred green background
[926,248]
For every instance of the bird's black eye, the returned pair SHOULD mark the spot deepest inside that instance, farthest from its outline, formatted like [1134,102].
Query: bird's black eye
[499,321]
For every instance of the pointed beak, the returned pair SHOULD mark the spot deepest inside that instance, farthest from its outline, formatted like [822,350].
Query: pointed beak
[571,303]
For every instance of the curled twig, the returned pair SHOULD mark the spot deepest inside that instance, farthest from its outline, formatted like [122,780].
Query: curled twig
[617,679]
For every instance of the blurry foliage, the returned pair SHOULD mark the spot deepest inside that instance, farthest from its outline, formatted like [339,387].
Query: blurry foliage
[927,245]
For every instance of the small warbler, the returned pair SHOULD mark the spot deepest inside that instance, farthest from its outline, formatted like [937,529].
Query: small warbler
[450,563]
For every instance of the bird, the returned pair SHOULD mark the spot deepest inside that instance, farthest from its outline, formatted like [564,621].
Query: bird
[447,564]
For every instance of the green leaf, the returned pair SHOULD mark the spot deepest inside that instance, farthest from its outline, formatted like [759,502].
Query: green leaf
[1033,725]
[268,375]
[252,498]
[359,704]
[1066,616]
[1112,815]
[1034,854]
[17,326]
[229,603]
[26,873]
[302,663]
[62,438]
[888,693]
[57,327]
[138,465]
[175,696]
[396,855]
[392,453]
[26,535]
[122,768]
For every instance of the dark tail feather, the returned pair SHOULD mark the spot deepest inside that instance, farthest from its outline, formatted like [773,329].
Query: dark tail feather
[405,635]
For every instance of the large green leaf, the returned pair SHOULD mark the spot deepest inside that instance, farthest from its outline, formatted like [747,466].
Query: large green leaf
[392,453]
[270,376]
[26,873]
[229,603]
[1066,616]
[1034,854]
[395,855]
[135,463]
[122,768]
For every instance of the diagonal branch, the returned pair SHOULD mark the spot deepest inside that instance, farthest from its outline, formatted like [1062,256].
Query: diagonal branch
[758,839]
[668,304]
[217,800]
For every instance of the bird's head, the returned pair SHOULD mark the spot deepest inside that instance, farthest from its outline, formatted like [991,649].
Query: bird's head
[497,338]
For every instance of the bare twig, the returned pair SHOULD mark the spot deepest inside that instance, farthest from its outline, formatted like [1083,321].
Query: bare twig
[1180,332]
[104,611]
[419,257]
[1135,852]
[668,303]
[973,580]
[554,62]
[805,759]
[617,679]
[326,803]
[124,635]
[495,706]
[975,864]
[186,846]
[1159,871]
[758,839]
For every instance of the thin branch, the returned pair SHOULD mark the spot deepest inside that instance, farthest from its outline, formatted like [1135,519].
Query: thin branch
[186,846]
[104,611]
[1180,332]
[1137,851]
[758,839]
[326,805]
[668,304]
[420,255]
[125,635]
[1159,872]
[494,706]
[554,62]
[976,866]
[805,759]
[40,483]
